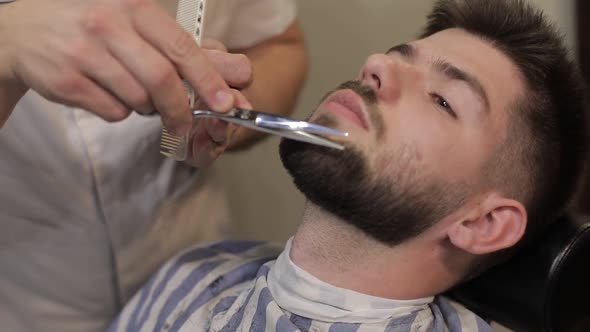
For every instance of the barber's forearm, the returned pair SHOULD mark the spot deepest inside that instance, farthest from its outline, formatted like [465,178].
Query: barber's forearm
[280,66]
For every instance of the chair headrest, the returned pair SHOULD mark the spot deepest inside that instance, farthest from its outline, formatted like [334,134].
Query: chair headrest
[545,287]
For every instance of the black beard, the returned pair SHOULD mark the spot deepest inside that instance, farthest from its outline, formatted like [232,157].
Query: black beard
[389,208]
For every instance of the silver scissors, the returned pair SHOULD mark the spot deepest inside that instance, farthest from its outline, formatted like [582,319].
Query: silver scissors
[276,125]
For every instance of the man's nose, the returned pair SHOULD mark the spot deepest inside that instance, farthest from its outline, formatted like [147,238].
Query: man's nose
[382,74]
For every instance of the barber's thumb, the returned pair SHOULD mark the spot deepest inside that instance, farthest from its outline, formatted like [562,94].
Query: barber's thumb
[223,100]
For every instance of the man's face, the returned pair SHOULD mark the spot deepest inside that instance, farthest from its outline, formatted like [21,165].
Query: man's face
[422,121]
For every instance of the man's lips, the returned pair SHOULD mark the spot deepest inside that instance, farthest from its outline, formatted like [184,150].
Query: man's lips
[347,104]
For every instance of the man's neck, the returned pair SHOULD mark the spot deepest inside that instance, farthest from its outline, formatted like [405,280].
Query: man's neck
[341,255]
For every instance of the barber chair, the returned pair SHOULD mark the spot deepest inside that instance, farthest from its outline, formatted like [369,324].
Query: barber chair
[544,288]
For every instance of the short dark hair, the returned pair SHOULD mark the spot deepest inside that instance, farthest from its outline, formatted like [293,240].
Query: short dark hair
[541,161]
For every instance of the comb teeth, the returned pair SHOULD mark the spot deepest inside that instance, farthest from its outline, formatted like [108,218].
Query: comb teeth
[190,15]
[173,146]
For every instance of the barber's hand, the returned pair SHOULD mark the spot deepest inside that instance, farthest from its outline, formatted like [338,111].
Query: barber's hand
[110,56]
[209,137]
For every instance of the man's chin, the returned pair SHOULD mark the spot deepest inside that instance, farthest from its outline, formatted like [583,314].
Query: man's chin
[310,157]
[327,177]
[383,207]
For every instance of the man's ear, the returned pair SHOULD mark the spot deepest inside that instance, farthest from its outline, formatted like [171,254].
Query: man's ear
[496,223]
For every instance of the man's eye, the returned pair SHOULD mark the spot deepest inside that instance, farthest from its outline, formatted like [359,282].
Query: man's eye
[442,103]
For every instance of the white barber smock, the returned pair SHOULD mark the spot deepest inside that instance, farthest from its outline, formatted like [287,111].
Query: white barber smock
[80,197]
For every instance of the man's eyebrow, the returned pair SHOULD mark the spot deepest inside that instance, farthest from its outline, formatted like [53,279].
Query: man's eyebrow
[454,73]
[405,50]
[447,69]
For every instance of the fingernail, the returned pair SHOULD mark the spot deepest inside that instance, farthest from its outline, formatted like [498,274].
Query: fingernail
[225,99]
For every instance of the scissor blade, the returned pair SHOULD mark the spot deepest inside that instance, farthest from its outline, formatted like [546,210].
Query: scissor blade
[246,121]
[309,138]
[276,122]
[296,135]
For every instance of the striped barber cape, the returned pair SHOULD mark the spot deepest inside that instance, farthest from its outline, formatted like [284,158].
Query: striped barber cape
[243,286]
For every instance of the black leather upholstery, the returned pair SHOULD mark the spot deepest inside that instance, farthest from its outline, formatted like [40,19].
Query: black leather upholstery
[546,287]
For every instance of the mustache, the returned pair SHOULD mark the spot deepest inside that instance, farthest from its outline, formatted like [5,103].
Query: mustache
[365,92]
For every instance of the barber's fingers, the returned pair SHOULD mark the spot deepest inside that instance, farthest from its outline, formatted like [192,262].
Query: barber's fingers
[235,69]
[149,67]
[57,80]
[202,149]
[210,136]
[74,89]
[50,54]
[94,97]
[104,69]
[241,100]
[182,50]
[219,131]
[213,44]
